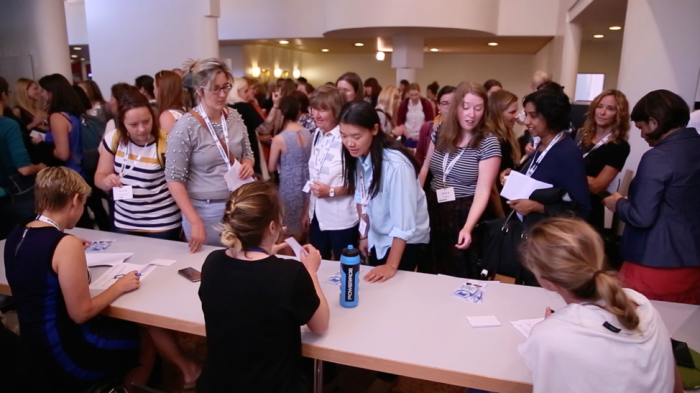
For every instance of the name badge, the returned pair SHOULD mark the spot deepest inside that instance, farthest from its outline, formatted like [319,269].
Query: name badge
[446,194]
[307,187]
[122,193]
[364,225]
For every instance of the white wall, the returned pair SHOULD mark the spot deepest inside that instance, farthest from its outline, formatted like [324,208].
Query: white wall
[33,39]
[76,23]
[601,57]
[516,17]
[126,40]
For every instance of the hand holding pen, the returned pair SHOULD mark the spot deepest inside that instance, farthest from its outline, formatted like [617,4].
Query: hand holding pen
[128,282]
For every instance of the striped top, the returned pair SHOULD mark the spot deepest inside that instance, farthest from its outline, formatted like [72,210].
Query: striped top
[152,209]
[466,171]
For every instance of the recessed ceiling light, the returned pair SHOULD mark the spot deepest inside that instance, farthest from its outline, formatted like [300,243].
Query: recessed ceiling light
[434,49]
[284,42]
[77,48]
[324,50]
[493,44]
[598,36]
[359,44]
[615,28]
[82,59]
[74,56]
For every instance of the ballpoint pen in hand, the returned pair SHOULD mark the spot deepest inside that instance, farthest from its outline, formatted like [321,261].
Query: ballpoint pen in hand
[122,275]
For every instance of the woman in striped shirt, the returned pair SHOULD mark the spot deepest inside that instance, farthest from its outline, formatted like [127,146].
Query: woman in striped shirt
[463,157]
[131,165]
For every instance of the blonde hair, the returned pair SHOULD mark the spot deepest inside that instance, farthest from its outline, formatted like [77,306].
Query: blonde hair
[388,100]
[23,100]
[233,96]
[621,127]
[204,71]
[498,102]
[569,253]
[249,211]
[328,97]
[56,186]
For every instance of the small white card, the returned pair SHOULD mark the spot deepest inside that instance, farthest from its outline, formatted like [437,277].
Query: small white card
[363,228]
[122,193]
[446,194]
[307,187]
[295,246]
[162,262]
[485,321]
[232,179]
[37,134]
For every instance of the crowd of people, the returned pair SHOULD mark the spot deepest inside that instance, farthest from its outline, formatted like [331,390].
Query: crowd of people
[403,177]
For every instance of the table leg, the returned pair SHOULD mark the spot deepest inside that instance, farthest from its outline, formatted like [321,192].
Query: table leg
[318,376]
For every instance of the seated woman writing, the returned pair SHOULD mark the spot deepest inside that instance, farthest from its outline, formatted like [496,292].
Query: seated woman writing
[59,320]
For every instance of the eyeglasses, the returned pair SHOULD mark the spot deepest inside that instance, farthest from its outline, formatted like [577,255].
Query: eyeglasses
[218,89]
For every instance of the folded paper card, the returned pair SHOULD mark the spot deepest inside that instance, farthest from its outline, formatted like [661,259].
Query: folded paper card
[106,259]
[484,321]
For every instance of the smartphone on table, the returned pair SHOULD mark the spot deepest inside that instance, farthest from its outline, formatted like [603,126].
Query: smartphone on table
[191,274]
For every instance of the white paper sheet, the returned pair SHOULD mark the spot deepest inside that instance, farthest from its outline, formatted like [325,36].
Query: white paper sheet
[108,278]
[162,262]
[295,246]
[524,326]
[519,186]
[232,179]
[37,134]
[483,321]
[106,258]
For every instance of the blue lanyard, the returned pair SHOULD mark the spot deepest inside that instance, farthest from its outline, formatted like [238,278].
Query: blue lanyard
[258,249]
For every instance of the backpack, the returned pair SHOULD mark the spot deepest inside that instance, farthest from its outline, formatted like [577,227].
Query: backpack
[161,145]
[92,130]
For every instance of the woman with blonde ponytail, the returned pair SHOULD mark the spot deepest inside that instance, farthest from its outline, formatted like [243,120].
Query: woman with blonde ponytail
[607,338]
[254,302]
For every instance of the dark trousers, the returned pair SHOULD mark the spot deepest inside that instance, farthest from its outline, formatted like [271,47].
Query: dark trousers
[331,241]
[171,234]
[412,255]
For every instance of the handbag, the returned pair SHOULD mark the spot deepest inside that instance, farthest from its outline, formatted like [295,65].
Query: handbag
[496,250]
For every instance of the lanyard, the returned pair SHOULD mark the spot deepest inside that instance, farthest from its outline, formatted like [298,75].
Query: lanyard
[325,153]
[123,172]
[599,144]
[536,162]
[364,190]
[213,134]
[256,249]
[49,221]
[447,168]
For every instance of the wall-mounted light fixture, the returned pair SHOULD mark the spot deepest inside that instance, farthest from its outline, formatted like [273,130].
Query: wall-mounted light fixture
[255,71]
[381,56]
[296,73]
[277,72]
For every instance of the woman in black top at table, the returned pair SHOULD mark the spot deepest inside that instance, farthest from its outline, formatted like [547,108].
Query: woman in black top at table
[603,143]
[255,302]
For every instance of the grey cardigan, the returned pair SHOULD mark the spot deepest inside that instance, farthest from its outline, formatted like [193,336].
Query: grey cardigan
[193,158]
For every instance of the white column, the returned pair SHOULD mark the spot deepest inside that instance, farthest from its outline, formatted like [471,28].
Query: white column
[659,51]
[34,29]
[132,38]
[570,55]
[407,57]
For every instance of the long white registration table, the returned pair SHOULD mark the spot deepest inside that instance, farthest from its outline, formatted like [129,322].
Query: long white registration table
[409,325]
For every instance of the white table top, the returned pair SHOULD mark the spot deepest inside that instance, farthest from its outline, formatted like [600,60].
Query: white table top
[409,325]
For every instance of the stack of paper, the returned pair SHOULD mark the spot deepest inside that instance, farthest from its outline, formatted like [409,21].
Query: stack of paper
[116,272]
[519,186]
[106,259]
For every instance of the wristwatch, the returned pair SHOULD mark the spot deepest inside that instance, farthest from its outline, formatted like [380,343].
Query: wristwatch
[331,193]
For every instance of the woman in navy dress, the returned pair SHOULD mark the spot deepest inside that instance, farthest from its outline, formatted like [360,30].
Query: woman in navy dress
[59,320]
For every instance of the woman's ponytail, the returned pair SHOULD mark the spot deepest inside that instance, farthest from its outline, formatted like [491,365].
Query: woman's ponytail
[616,300]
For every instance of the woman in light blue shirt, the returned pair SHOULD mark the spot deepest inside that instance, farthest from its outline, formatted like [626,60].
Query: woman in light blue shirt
[394,223]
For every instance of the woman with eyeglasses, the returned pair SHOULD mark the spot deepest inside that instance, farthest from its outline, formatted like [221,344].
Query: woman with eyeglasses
[444,96]
[203,146]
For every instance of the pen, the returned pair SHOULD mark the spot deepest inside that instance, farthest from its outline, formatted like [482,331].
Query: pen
[122,275]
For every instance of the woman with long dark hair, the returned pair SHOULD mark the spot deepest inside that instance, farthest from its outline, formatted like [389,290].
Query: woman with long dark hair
[350,84]
[394,224]
[168,91]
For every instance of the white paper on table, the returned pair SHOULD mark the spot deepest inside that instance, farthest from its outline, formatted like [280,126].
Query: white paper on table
[296,247]
[106,259]
[485,321]
[37,134]
[519,186]
[232,179]
[524,326]
[162,262]
[107,278]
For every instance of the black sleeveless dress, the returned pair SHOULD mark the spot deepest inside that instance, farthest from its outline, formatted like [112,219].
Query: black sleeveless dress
[73,355]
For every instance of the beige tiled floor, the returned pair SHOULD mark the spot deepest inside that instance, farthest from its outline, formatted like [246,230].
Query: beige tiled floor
[348,379]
